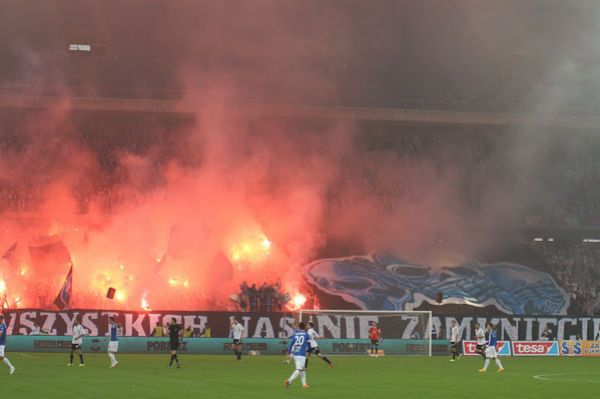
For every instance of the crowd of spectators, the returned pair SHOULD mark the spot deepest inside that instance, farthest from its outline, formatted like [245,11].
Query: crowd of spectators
[87,199]
[470,168]
[574,265]
[103,161]
[582,175]
[266,298]
[270,297]
[400,166]
[475,172]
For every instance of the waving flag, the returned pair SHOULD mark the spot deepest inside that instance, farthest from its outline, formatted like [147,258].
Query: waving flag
[9,253]
[50,258]
[63,300]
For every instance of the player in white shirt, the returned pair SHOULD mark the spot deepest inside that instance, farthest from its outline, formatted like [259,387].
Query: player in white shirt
[237,331]
[480,337]
[313,345]
[454,338]
[78,334]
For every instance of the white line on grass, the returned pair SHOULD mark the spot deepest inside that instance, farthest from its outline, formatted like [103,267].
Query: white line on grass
[551,377]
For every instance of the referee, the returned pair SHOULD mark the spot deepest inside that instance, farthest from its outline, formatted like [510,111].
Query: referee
[174,335]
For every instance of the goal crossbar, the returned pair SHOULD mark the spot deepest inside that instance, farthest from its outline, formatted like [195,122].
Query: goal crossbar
[423,323]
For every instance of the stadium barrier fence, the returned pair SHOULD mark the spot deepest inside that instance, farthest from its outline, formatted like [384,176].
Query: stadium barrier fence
[276,325]
[213,346]
[274,346]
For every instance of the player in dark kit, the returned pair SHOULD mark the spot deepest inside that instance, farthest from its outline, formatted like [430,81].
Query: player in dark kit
[174,335]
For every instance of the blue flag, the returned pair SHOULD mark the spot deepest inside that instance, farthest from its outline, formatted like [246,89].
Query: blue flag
[63,300]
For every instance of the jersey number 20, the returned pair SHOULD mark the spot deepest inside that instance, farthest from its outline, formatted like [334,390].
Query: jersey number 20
[298,344]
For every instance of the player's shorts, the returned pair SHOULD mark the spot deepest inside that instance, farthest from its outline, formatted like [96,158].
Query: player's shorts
[374,341]
[173,345]
[314,350]
[1,350]
[479,348]
[237,341]
[453,345]
[113,346]
[75,347]
[490,352]
[300,362]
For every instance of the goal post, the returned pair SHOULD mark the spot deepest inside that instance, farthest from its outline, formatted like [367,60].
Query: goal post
[347,331]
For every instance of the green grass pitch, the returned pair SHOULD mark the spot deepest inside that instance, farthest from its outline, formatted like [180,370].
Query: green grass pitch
[146,376]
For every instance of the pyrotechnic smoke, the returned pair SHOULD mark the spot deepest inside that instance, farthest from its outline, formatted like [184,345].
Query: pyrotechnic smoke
[201,203]
[195,210]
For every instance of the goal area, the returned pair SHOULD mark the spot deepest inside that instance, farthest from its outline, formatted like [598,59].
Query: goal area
[346,332]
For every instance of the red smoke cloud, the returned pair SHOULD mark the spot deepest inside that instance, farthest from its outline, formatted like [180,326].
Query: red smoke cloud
[248,200]
[255,196]
[197,204]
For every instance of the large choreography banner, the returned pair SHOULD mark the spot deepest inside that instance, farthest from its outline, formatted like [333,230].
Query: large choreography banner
[383,282]
[280,325]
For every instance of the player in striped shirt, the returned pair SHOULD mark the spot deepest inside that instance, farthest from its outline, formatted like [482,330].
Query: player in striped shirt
[313,348]
[113,344]
[78,334]
[3,345]
[480,337]
[237,331]
[298,349]
[490,351]
[454,338]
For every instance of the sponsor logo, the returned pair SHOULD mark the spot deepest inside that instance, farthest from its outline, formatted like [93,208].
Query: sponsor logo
[434,348]
[163,346]
[44,344]
[570,348]
[247,346]
[96,345]
[47,344]
[416,348]
[502,347]
[580,348]
[350,348]
[535,348]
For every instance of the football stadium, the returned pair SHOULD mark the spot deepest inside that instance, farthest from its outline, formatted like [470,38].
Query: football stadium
[299,198]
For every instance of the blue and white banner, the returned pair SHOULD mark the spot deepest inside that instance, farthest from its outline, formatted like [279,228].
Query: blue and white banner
[381,282]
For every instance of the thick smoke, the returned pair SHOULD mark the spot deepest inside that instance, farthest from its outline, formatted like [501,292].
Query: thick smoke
[202,207]
[175,211]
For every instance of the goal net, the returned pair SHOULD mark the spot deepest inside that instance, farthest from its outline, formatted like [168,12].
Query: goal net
[346,332]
